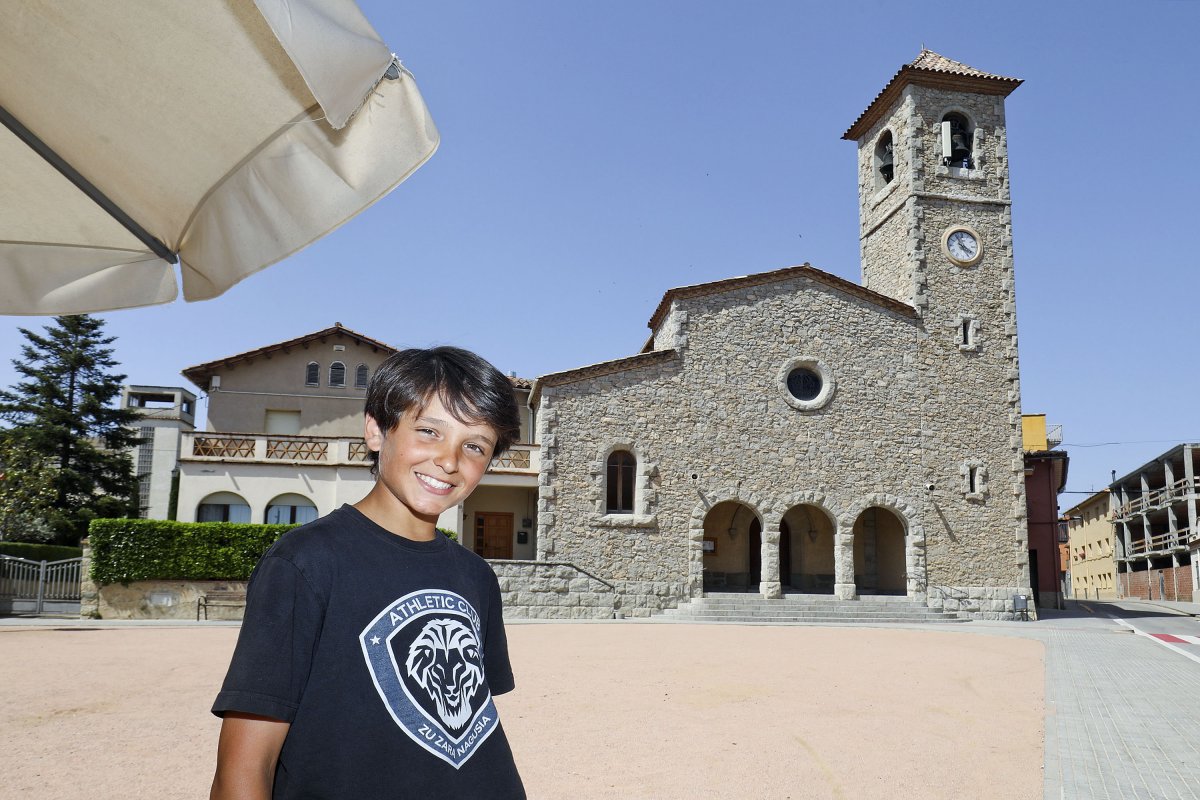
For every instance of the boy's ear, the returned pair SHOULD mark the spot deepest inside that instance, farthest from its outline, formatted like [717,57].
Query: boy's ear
[372,434]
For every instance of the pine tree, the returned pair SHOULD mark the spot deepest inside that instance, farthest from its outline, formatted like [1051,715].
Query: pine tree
[26,492]
[64,412]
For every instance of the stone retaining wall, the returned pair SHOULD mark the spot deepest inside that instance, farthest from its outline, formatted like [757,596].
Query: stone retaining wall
[553,590]
[164,600]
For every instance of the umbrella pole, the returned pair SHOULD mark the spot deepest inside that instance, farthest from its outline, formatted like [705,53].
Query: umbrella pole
[84,185]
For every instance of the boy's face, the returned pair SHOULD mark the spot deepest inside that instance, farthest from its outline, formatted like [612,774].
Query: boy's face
[429,462]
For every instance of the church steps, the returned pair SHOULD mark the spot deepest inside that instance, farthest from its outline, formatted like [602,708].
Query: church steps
[806,609]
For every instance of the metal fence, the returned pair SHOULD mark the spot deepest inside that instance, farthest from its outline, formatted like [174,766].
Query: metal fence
[39,587]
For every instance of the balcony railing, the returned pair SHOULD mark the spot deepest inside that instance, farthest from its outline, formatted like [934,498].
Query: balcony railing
[1157,498]
[1160,543]
[329,450]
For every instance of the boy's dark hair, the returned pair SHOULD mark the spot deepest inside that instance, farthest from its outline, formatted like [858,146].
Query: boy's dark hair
[469,387]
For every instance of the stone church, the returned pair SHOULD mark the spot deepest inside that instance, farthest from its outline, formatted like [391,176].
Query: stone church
[791,432]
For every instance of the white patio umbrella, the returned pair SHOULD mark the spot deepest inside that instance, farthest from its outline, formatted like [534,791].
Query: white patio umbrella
[221,134]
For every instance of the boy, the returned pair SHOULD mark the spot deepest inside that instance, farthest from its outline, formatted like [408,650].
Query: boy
[372,645]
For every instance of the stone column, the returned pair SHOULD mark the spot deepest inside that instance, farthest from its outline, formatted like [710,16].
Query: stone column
[843,561]
[89,592]
[769,584]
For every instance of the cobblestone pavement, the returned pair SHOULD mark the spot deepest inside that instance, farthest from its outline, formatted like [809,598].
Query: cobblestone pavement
[1122,713]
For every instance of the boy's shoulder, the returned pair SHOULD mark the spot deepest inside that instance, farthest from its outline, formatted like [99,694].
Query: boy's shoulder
[316,539]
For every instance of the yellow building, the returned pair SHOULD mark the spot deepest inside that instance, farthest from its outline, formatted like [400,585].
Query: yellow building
[1093,569]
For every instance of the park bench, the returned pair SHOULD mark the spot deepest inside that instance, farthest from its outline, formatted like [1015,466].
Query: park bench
[219,598]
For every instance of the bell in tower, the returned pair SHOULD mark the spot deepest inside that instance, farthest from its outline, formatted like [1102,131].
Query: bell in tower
[956,141]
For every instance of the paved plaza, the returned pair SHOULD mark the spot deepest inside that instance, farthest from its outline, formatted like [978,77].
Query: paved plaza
[686,710]
[1122,712]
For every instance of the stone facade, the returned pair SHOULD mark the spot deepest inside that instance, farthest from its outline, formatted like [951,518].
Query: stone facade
[909,455]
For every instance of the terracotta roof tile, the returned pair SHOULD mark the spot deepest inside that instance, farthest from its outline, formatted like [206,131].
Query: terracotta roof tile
[931,69]
[939,63]
[198,373]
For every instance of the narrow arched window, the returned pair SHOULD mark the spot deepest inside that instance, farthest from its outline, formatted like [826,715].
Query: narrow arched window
[312,374]
[337,374]
[361,373]
[885,167]
[622,467]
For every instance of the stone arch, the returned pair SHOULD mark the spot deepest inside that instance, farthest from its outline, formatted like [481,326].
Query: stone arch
[916,575]
[808,558]
[700,512]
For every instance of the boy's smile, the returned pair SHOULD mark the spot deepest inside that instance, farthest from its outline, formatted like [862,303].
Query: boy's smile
[428,463]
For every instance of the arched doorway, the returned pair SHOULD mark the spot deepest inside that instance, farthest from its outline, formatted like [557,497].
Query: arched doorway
[880,559]
[807,563]
[732,547]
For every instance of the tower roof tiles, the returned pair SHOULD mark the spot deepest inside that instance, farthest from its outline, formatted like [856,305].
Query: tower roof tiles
[931,69]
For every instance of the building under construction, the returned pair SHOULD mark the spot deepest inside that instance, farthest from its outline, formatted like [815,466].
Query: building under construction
[1155,525]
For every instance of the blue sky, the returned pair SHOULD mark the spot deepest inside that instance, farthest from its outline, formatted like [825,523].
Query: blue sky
[596,154]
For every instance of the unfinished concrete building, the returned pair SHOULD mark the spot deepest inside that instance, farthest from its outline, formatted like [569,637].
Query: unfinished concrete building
[1155,525]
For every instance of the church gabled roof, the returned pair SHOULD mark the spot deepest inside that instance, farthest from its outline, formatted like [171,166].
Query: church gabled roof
[649,356]
[775,276]
[931,69]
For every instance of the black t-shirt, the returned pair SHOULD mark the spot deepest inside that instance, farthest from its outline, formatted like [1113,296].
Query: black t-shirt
[383,653]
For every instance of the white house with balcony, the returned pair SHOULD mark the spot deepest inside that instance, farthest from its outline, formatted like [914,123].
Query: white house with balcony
[283,443]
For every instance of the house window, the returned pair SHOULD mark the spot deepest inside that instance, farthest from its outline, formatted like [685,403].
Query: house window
[226,509]
[337,374]
[361,374]
[622,467]
[312,374]
[290,510]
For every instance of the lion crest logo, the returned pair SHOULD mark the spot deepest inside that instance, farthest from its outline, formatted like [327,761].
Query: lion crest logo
[425,656]
[444,661]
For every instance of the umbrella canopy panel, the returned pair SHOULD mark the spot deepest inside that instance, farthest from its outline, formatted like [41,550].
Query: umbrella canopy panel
[198,121]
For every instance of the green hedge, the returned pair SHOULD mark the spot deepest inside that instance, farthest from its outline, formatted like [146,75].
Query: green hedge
[39,552]
[125,550]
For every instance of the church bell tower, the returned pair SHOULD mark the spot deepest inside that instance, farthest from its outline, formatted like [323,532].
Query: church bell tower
[936,233]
